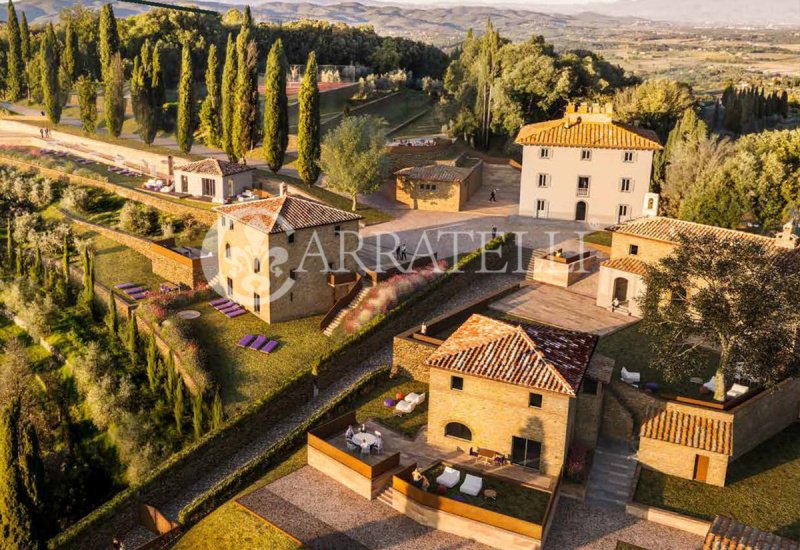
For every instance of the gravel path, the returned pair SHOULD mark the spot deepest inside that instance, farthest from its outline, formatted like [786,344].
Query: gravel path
[482,286]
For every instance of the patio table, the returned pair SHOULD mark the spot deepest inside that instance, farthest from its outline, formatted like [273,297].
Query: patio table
[362,439]
[486,456]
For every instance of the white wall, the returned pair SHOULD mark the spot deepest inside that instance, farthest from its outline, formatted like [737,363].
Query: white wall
[605,289]
[225,186]
[605,170]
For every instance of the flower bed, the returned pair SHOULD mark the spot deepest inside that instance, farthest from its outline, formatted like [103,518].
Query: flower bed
[384,296]
[63,164]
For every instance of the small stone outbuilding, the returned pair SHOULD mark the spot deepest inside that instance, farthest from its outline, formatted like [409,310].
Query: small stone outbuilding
[217,180]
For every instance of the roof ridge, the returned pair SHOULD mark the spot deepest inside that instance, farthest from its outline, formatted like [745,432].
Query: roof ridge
[552,368]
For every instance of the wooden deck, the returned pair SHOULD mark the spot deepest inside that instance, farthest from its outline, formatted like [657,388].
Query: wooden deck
[562,308]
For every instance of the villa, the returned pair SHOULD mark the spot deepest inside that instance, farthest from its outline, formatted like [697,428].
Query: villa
[214,179]
[281,258]
[587,167]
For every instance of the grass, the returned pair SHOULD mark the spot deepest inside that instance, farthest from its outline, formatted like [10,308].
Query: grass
[8,330]
[602,238]
[632,349]
[370,406]
[231,526]
[426,125]
[513,500]
[399,108]
[244,374]
[759,491]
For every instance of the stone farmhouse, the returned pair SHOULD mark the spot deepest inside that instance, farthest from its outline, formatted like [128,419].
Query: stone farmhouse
[216,180]
[587,167]
[444,186]
[270,255]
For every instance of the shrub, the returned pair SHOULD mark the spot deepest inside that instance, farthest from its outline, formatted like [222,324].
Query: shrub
[138,219]
[76,198]
[577,462]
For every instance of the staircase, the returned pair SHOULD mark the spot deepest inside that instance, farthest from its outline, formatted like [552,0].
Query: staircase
[537,253]
[341,315]
[387,496]
[611,478]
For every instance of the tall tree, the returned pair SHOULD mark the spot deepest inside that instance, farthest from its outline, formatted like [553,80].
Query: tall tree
[178,404]
[354,156]
[228,93]
[157,86]
[735,295]
[50,67]
[16,528]
[210,116]
[87,103]
[113,98]
[108,41]
[71,50]
[276,108]
[185,129]
[15,79]
[308,127]
[31,474]
[143,96]
[25,38]
[246,95]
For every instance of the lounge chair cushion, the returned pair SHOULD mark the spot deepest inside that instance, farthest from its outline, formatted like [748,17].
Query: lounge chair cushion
[737,390]
[449,478]
[405,407]
[271,345]
[258,342]
[630,377]
[711,385]
[246,340]
[472,485]
[217,302]
[236,313]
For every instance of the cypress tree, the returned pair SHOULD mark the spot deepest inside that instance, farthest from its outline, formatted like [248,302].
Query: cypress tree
[65,256]
[308,128]
[20,263]
[113,100]
[217,411]
[169,366]
[210,111]
[143,95]
[15,79]
[9,243]
[111,316]
[152,362]
[183,131]
[178,405]
[246,95]
[197,416]
[784,104]
[70,58]
[157,86]
[31,476]
[25,38]
[109,40]
[276,108]
[227,96]
[87,295]
[132,340]
[87,103]
[36,268]
[50,67]
[15,518]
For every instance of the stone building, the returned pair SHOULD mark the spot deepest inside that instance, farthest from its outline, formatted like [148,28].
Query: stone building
[587,167]
[509,388]
[643,241]
[443,186]
[278,256]
[217,180]
[728,534]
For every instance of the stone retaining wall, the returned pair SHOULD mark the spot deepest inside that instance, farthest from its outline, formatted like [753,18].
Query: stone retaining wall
[408,357]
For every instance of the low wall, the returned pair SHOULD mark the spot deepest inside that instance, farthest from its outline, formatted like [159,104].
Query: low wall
[764,415]
[670,519]
[560,273]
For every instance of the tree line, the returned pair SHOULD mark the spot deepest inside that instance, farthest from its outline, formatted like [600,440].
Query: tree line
[750,109]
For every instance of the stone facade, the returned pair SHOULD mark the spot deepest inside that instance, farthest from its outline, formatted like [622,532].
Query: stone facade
[678,460]
[437,194]
[408,358]
[495,412]
[765,415]
[617,422]
[588,416]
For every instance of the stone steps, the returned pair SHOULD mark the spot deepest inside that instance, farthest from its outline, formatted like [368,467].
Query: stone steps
[387,496]
[611,478]
[338,319]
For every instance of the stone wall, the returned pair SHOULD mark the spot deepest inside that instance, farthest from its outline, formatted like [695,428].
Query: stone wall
[679,460]
[175,267]
[765,415]
[408,358]
[588,417]
[617,422]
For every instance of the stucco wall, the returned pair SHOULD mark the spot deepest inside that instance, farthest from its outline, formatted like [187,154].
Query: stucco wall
[678,460]
[224,187]
[606,169]
[494,412]
[605,289]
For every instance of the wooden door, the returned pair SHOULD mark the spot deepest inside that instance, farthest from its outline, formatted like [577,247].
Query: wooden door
[700,468]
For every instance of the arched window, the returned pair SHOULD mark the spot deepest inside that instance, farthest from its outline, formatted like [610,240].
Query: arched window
[256,265]
[458,430]
[227,250]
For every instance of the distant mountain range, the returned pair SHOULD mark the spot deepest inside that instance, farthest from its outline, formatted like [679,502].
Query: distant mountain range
[445,21]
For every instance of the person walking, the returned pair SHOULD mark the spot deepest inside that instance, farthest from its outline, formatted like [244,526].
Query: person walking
[493,195]
[403,252]
[41,132]
[494,231]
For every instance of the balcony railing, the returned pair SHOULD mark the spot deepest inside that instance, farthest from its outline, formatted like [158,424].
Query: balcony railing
[583,191]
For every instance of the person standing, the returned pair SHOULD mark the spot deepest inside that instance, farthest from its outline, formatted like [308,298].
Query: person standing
[403,252]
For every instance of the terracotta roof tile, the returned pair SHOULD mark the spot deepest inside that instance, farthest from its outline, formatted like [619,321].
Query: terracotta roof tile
[690,430]
[659,228]
[538,357]
[627,264]
[594,134]
[214,167]
[728,534]
[436,172]
[285,213]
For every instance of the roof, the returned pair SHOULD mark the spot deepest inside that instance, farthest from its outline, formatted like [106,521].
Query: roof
[538,357]
[729,534]
[592,134]
[659,228]
[690,430]
[214,167]
[627,264]
[285,213]
[436,172]
[601,368]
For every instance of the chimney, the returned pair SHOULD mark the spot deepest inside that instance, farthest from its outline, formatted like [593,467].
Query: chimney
[787,238]
[283,190]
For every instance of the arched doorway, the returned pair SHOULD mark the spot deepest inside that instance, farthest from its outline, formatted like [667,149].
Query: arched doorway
[621,289]
[580,211]
[458,430]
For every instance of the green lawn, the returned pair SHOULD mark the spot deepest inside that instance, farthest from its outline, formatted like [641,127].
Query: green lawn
[762,489]
[115,263]
[512,500]
[244,374]
[602,238]
[370,406]
[631,349]
[8,330]
[398,108]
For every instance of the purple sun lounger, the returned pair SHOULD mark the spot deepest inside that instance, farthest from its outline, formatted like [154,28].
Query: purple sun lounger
[271,345]
[140,295]
[230,308]
[236,313]
[258,342]
[218,301]
[123,286]
[137,290]
[246,340]
[223,305]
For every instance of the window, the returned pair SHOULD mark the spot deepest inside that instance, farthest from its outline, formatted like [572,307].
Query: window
[256,302]
[458,430]
[535,400]
[526,452]
[622,212]
[290,238]
[633,249]
[544,180]
[628,156]
[337,230]
[227,250]
[256,265]
[433,187]
[230,286]
[184,184]
[544,153]
[541,208]
[586,154]
[589,386]
[230,225]
[626,185]
[456,383]
[293,274]
[209,187]
[222,221]
[583,186]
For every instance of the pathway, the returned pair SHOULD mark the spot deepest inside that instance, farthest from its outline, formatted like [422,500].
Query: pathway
[611,478]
